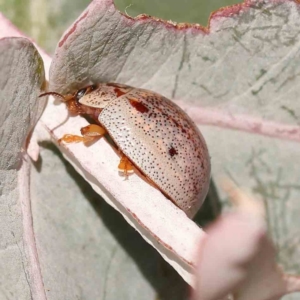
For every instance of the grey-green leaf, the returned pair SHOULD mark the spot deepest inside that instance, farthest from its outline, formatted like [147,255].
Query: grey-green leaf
[243,73]
[21,81]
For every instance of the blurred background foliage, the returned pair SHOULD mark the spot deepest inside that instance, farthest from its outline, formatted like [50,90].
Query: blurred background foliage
[45,21]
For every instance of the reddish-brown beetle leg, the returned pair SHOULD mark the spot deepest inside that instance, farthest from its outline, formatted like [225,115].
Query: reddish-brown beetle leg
[92,130]
[89,134]
[125,166]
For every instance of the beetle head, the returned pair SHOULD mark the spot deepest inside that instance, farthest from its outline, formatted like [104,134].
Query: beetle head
[72,100]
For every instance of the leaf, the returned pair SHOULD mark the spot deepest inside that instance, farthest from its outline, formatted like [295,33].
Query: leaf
[21,81]
[7,29]
[238,74]
[239,258]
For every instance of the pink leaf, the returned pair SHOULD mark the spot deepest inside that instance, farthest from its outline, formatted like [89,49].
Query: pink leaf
[238,258]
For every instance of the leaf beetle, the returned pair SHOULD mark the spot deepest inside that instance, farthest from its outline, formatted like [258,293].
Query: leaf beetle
[152,134]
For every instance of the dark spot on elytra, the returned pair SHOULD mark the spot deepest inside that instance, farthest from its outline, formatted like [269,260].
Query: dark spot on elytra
[172,151]
[176,123]
[139,106]
[119,92]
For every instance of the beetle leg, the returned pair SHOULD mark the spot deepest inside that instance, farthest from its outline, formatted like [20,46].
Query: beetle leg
[92,130]
[89,134]
[125,166]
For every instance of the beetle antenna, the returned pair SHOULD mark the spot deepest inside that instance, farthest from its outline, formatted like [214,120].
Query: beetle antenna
[54,94]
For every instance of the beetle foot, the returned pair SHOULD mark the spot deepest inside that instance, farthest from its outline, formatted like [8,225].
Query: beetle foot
[89,133]
[70,138]
[125,167]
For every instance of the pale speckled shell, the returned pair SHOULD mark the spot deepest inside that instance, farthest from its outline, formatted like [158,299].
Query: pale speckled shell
[159,138]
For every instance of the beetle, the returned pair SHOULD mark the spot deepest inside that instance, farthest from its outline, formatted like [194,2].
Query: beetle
[152,134]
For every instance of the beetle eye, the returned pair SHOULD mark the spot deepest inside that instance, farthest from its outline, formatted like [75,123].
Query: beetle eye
[80,93]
